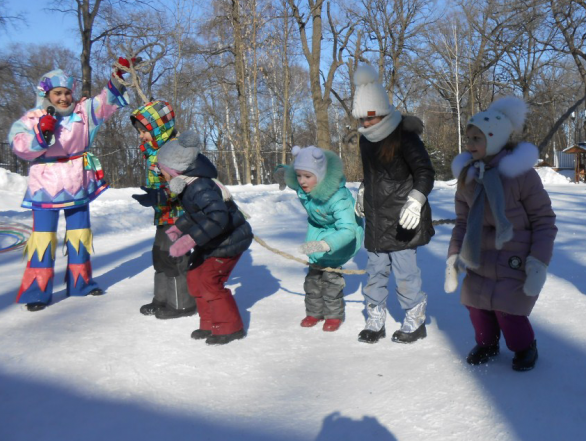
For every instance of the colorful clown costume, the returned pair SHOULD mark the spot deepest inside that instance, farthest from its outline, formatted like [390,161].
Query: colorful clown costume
[63,175]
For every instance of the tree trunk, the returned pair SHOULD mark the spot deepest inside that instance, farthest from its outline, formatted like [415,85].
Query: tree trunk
[241,88]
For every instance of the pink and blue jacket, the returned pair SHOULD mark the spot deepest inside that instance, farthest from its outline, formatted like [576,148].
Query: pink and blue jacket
[63,173]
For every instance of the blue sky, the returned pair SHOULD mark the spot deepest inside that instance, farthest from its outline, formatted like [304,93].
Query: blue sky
[42,26]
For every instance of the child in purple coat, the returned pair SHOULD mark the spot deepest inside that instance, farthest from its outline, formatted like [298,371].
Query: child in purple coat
[504,234]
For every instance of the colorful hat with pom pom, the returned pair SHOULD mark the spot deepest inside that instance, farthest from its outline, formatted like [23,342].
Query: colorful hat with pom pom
[502,118]
[371,98]
[51,80]
[311,159]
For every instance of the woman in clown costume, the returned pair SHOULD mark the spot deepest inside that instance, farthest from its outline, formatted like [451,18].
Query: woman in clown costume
[56,137]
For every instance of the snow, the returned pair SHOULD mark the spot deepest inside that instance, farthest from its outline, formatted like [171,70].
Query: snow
[96,369]
[549,176]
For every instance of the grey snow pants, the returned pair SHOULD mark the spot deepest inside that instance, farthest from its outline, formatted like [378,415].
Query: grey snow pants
[170,273]
[407,277]
[324,294]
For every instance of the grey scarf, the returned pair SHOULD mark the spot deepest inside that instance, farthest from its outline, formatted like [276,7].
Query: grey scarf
[489,186]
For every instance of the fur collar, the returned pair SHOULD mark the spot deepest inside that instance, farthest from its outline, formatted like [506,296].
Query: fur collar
[520,160]
[329,185]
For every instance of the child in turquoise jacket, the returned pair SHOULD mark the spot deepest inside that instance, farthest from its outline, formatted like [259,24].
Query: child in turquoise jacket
[334,233]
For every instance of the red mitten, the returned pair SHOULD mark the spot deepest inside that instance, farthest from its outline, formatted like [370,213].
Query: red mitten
[47,123]
[47,127]
[123,62]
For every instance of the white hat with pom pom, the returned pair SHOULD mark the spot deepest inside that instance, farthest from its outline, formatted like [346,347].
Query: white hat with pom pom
[311,159]
[370,98]
[499,121]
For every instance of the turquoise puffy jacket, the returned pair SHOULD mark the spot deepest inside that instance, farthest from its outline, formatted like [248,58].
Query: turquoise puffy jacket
[331,217]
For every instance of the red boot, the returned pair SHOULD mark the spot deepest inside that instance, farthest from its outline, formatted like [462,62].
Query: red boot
[310,321]
[332,325]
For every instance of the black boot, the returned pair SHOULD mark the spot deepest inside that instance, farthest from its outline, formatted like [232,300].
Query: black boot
[200,334]
[96,292]
[409,337]
[37,306]
[171,313]
[369,336]
[482,354]
[151,308]
[226,338]
[525,360]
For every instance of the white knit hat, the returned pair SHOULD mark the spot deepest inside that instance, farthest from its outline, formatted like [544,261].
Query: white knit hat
[311,159]
[499,121]
[370,98]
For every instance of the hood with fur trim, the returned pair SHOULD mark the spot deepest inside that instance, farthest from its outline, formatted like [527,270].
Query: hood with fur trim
[511,164]
[325,189]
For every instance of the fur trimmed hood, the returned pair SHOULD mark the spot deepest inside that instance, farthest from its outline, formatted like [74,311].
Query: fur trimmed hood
[329,185]
[510,163]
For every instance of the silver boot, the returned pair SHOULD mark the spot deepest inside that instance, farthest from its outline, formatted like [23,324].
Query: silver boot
[413,327]
[375,324]
[377,315]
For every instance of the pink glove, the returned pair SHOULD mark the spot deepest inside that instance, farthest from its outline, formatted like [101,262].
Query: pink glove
[183,245]
[173,233]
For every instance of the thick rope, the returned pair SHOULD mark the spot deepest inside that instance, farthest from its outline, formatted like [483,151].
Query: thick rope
[305,262]
[328,269]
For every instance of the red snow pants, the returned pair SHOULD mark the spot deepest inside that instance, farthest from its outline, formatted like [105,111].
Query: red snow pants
[217,309]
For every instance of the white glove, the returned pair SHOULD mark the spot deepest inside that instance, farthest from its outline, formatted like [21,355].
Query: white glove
[279,176]
[410,214]
[314,246]
[536,272]
[359,204]
[453,269]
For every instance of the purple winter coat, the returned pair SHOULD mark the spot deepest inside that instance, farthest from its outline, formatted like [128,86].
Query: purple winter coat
[497,285]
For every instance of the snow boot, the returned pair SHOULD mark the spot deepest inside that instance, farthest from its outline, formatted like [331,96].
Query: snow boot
[310,321]
[200,334]
[171,313]
[413,327]
[410,337]
[482,354]
[525,360]
[368,336]
[226,338]
[331,325]
[151,308]
[375,324]
[37,306]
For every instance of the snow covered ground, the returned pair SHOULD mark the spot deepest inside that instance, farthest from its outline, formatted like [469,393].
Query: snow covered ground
[88,369]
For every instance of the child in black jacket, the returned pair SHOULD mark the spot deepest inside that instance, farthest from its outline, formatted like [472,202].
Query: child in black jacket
[217,231]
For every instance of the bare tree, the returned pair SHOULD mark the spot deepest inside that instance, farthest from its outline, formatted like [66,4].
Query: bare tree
[87,14]
[313,56]
[569,17]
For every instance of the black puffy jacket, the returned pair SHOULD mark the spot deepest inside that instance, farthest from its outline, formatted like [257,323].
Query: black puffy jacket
[386,187]
[218,228]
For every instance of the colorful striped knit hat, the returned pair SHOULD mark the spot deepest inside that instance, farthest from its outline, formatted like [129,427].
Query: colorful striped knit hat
[157,118]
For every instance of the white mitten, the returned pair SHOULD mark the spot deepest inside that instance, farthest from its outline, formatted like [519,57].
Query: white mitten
[410,214]
[279,176]
[536,272]
[452,271]
[359,205]
[314,246]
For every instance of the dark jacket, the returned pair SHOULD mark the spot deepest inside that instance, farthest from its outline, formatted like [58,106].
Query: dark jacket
[386,187]
[218,228]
